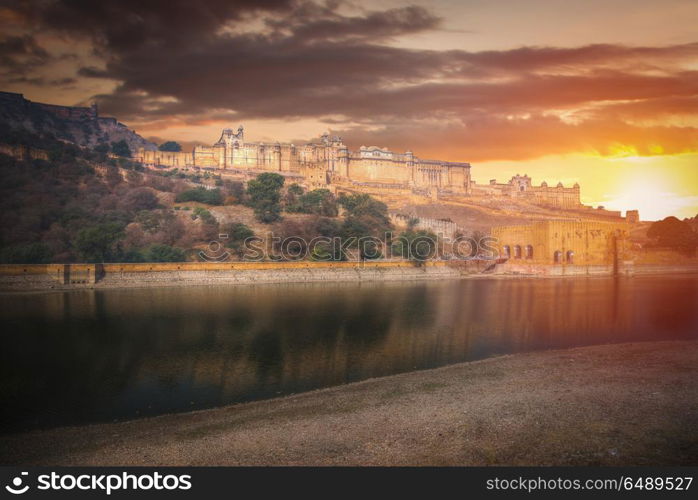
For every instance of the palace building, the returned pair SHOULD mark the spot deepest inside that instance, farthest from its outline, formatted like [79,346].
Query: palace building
[563,243]
[322,163]
[329,163]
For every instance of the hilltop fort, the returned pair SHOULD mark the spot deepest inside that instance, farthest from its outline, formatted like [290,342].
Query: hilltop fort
[329,163]
[81,125]
[440,193]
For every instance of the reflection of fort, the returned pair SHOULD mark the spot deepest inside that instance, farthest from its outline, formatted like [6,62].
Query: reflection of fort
[156,350]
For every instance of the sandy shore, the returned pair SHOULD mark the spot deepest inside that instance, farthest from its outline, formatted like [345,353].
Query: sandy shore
[629,404]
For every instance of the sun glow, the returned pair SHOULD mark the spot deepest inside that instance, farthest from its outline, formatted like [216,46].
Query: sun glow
[658,186]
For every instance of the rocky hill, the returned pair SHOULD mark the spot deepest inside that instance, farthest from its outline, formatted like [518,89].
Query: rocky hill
[80,125]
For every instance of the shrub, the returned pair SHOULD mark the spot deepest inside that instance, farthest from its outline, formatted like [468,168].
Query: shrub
[170,146]
[237,234]
[139,199]
[121,148]
[417,246]
[202,195]
[204,215]
[164,253]
[27,253]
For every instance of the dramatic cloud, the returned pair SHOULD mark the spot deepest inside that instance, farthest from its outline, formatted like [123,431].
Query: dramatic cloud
[177,62]
[21,53]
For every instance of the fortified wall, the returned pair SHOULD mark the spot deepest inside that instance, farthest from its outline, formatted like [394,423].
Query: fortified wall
[564,243]
[438,226]
[326,163]
[64,112]
[23,152]
[520,187]
[377,171]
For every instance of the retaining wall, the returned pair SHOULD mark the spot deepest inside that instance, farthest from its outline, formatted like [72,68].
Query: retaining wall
[68,276]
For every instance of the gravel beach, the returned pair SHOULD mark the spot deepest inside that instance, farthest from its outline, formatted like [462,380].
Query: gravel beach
[626,404]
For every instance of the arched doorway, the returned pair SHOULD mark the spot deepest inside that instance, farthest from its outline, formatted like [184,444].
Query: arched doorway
[517,252]
[529,251]
[557,257]
[570,257]
[506,251]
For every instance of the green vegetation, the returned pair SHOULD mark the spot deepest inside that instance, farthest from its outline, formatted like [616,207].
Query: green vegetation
[80,205]
[204,215]
[366,219]
[415,245]
[98,243]
[235,192]
[202,195]
[318,202]
[163,253]
[237,234]
[23,253]
[63,210]
[120,148]
[264,196]
[170,146]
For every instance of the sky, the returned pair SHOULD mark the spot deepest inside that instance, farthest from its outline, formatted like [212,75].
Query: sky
[604,93]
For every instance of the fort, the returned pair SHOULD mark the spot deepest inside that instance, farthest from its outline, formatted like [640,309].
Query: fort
[565,247]
[77,124]
[329,163]
[64,112]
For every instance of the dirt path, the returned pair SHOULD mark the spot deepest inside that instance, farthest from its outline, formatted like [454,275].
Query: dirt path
[615,405]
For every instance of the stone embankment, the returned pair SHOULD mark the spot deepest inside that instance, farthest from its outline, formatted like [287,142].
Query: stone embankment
[69,276]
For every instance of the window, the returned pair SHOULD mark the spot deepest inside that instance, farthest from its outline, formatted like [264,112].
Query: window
[529,251]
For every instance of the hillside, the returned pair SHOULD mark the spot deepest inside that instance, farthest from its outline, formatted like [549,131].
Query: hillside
[62,203]
[80,125]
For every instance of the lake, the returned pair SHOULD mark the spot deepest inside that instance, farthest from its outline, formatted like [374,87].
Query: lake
[102,355]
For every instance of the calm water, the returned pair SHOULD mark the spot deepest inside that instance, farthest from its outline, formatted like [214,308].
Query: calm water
[86,356]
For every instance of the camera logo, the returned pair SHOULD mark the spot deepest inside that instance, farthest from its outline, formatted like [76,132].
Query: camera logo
[16,487]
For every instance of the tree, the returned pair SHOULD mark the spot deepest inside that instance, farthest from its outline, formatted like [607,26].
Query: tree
[237,234]
[121,148]
[417,246]
[235,191]
[291,199]
[26,253]
[98,243]
[102,149]
[295,189]
[364,205]
[170,146]
[318,201]
[673,233]
[265,194]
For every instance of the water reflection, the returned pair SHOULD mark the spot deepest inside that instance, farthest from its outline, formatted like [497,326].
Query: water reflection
[88,356]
